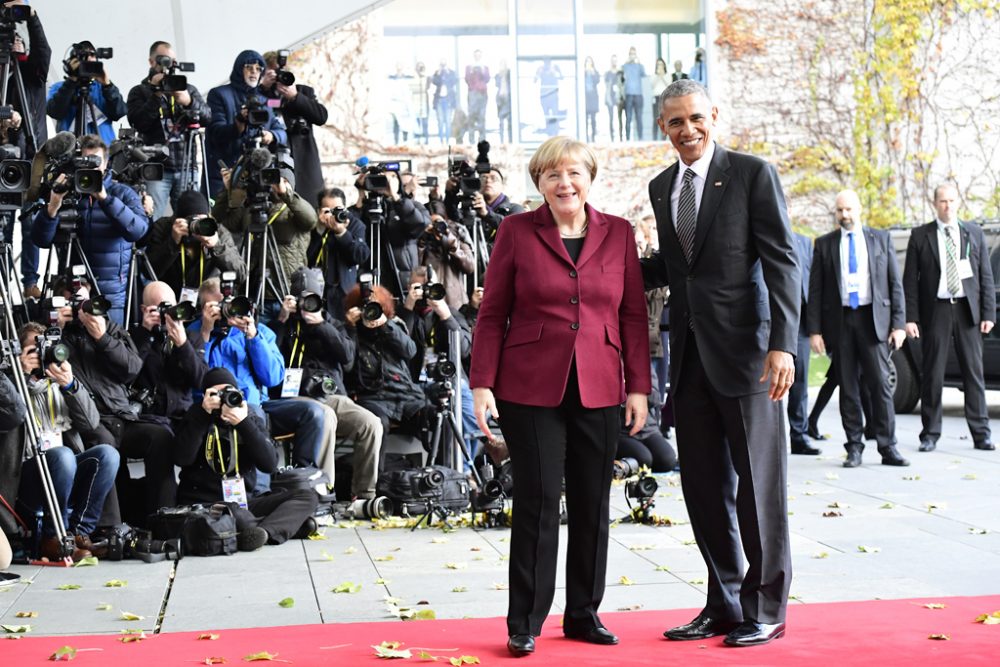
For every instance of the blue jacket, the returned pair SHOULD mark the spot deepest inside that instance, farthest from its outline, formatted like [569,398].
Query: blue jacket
[107,229]
[254,363]
[224,143]
[63,106]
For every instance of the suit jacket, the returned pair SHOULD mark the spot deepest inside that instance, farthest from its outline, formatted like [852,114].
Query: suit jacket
[826,310]
[741,290]
[922,273]
[804,253]
[540,311]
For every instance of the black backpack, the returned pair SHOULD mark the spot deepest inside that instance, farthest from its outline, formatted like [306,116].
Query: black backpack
[307,477]
[204,530]
[415,490]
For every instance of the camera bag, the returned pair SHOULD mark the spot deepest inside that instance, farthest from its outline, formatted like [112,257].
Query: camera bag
[409,495]
[204,530]
[306,477]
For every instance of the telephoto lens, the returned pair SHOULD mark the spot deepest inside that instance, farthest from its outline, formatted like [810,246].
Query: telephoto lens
[236,306]
[203,227]
[185,311]
[310,303]
[370,508]
[97,306]
[231,396]
[371,311]
[624,468]
[435,291]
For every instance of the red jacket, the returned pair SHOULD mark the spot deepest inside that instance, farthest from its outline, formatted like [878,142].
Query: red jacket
[539,310]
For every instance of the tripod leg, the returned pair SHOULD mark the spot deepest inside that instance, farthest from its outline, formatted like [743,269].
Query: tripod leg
[435,439]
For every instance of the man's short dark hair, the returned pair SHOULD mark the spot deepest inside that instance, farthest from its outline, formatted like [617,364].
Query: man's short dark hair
[31,329]
[157,44]
[682,88]
[327,193]
[61,283]
[92,141]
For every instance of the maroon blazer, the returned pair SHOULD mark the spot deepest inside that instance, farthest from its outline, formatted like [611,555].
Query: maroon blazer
[540,310]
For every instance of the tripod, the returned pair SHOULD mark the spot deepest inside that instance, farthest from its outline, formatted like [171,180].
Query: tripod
[11,353]
[8,267]
[133,296]
[259,233]
[193,156]
[85,104]
[376,222]
[65,245]
[6,66]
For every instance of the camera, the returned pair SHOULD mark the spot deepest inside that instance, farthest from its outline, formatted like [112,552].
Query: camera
[369,508]
[97,305]
[171,81]
[442,369]
[231,396]
[282,75]
[132,162]
[375,178]
[433,292]
[310,303]
[643,488]
[88,69]
[236,306]
[15,176]
[624,468]
[427,481]
[87,178]
[185,311]
[339,213]
[15,13]
[319,386]
[50,349]
[371,310]
[207,226]
[257,111]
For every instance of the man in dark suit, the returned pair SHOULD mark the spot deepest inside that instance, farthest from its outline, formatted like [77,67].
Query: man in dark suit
[950,295]
[726,251]
[798,395]
[855,306]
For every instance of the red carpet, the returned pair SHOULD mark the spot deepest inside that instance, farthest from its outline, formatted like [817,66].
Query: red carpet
[883,633]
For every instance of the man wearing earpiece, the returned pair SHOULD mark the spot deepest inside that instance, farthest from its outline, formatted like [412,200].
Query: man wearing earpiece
[106,103]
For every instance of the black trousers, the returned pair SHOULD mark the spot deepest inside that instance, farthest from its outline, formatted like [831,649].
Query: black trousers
[733,474]
[151,443]
[952,321]
[863,357]
[546,444]
[281,513]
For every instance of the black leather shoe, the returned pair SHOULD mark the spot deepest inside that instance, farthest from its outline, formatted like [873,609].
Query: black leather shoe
[521,645]
[813,432]
[927,446]
[985,445]
[853,456]
[308,527]
[891,457]
[702,627]
[594,636]
[753,634]
[804,448]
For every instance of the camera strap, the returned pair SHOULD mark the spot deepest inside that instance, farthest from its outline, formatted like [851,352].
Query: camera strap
[49,435]
[215,439]
[201,266]
[281,209]
[321,255]
[301,350]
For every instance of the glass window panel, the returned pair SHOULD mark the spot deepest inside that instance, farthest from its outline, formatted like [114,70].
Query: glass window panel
[547,92]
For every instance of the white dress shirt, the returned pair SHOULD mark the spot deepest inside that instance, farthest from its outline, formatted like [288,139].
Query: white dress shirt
[956,236]
[863,279]
[700,168]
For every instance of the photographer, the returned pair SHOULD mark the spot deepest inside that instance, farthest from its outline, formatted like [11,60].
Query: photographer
[248,350]
[184,259]
[105,360]
[337,247]
[490,203]
[166,117]
[403,220]
[109,222]
[229,129]
[446,248]
[317,349]
[221,446]
[33,65]
[290,220]
[381,377]
[171,367]
[67,96]
[300,110]
[81,478]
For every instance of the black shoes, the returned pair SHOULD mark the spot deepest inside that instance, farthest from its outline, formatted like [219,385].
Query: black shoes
[593,636]
[702,627]
[251,539]
[892,457]
[521,645]
[804,447]
[750,633]
[853,455]
[308,527]
[927,446]
[985,445]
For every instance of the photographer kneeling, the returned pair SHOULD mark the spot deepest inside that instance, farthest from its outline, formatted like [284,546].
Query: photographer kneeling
[189,247]
[81,478]
[221,446]
[317,349]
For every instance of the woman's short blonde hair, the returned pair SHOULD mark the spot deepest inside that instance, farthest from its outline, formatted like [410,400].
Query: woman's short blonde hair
[557,149]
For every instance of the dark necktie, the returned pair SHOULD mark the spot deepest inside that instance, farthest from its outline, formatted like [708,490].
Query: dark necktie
[687,216]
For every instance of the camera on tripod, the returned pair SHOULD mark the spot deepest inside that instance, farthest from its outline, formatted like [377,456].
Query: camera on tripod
[441,373]
[375,178]
[371,309]
[643,487]
[132,162]
[468,175]
[257,111]
[87,70]
[172,82]
[15,174]
[15,13]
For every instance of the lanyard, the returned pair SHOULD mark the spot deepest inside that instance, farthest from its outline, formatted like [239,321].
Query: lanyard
[201,267]
[322,251]
[280,210]
[217,440]
[295,347]
[52,408]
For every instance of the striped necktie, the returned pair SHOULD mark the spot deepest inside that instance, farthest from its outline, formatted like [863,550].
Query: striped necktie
[687,216]
[951,262]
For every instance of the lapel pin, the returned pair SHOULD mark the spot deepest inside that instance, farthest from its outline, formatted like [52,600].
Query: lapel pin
[718,184]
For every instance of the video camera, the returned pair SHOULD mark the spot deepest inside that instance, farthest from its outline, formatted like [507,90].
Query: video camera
[172,82]
[132,162]
[371,310]
[63,156]
[87,70]
[468,175]
[257,111]
[260,169]
[375,179]
[15,174]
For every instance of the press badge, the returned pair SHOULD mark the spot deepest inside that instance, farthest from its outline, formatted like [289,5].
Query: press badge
[964,269]
[234,491]
[189,294]
[853,283]
[293,381]
[49,439]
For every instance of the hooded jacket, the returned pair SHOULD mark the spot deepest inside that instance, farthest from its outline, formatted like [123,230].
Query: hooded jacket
[106,230]
[224,140]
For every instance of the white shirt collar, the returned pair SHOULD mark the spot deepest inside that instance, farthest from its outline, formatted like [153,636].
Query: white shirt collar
[941,225]
[701,165]
[858,230]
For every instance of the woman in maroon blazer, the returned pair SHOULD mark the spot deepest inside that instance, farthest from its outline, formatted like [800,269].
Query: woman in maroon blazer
[560,343]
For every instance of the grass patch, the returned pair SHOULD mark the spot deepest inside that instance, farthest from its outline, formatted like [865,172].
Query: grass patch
[818,365]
